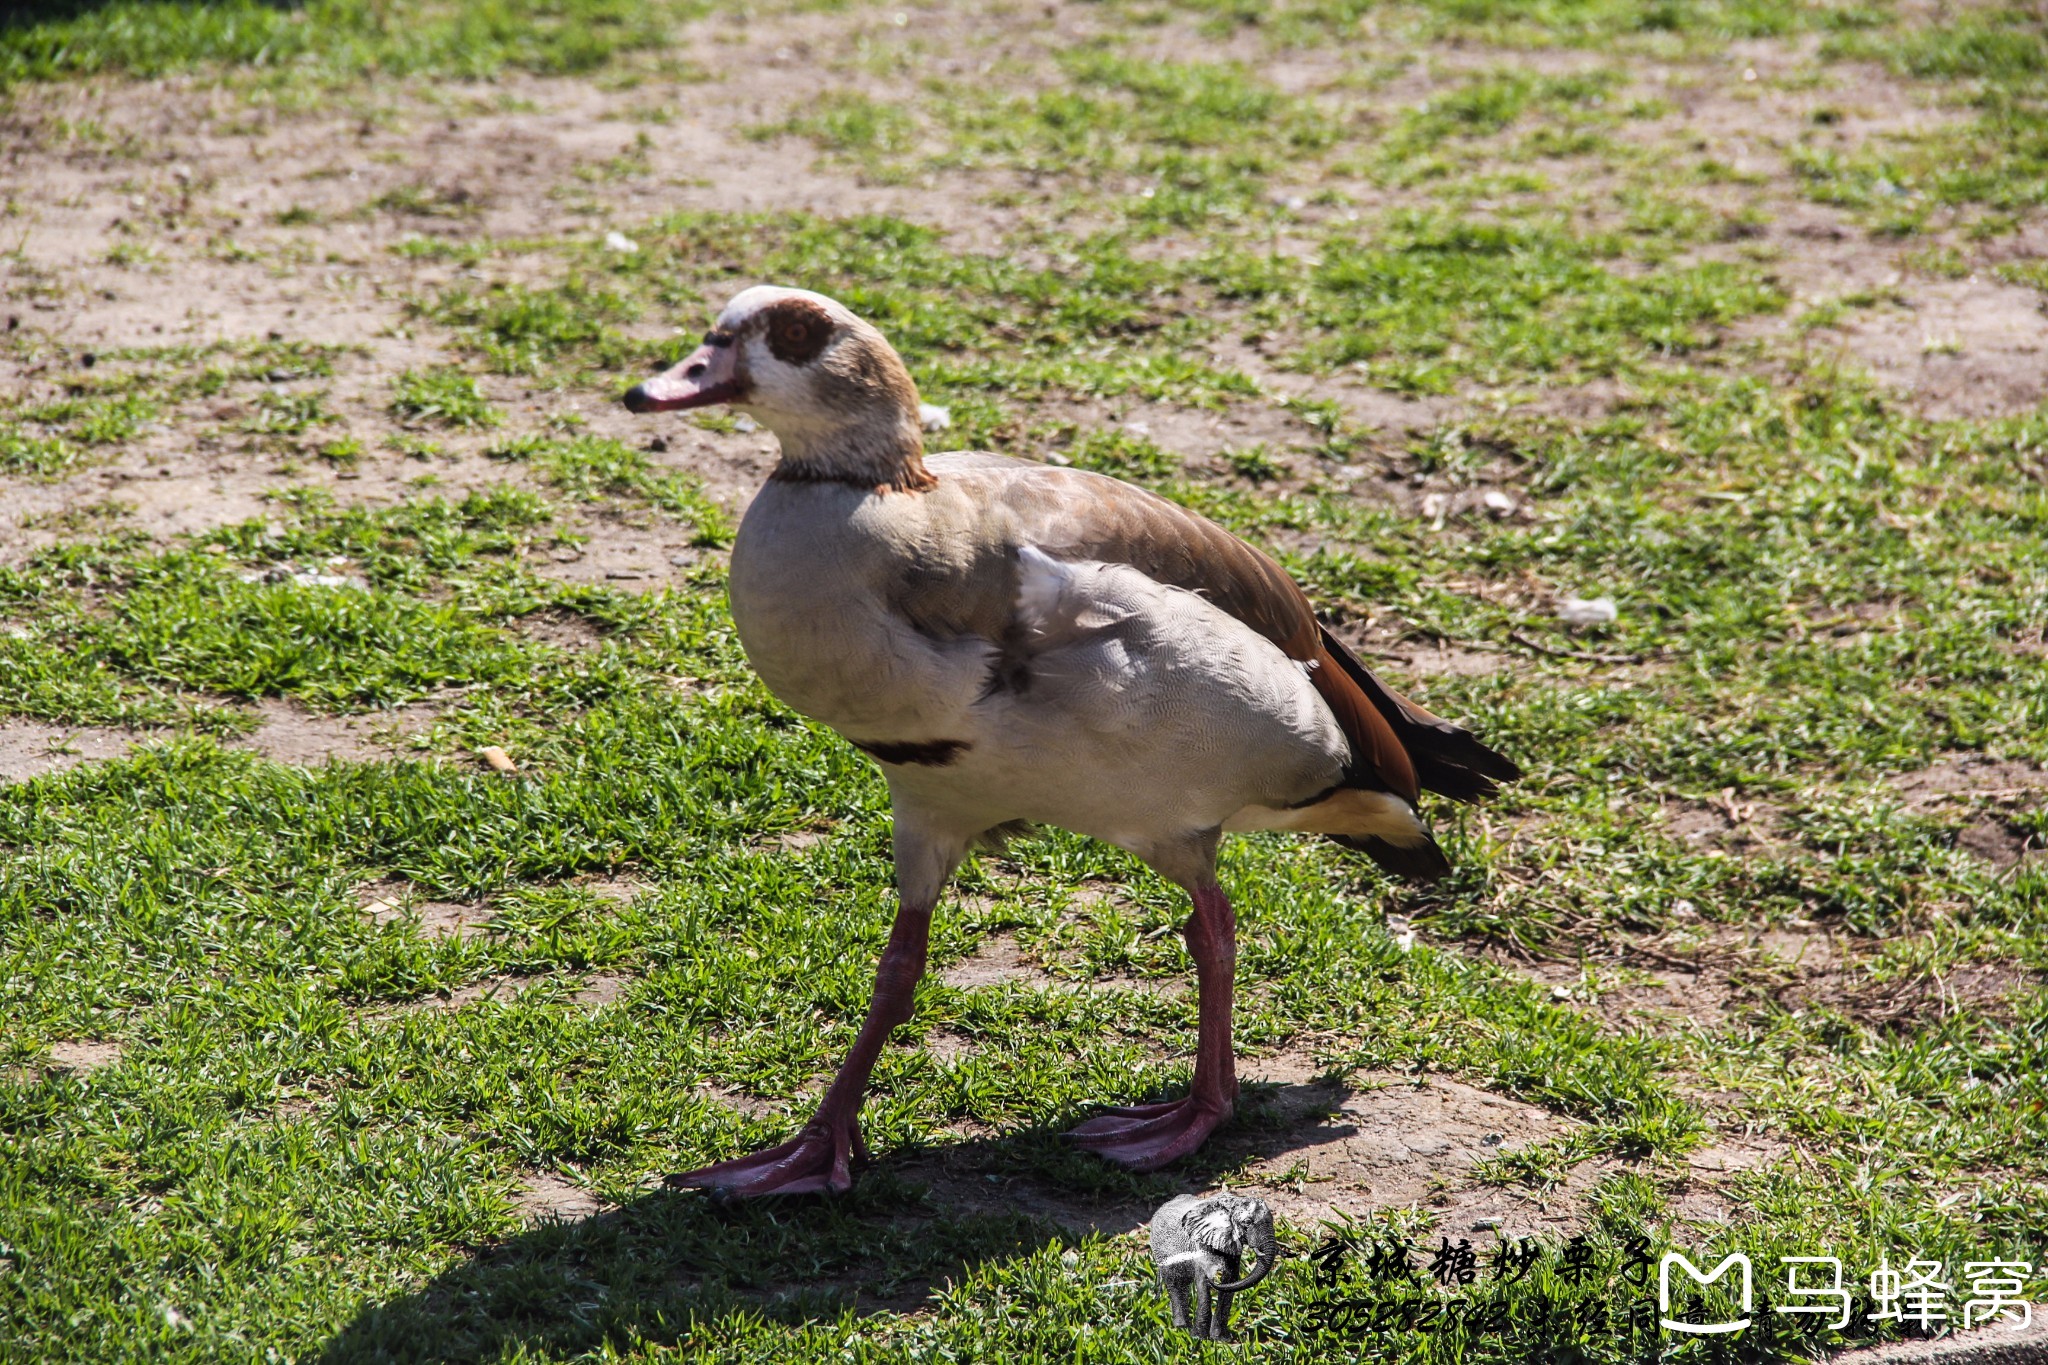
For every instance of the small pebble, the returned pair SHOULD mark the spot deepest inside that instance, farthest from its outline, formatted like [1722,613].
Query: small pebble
[1587,611]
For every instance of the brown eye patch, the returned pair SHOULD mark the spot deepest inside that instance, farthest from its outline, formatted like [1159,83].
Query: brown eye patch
[797,330]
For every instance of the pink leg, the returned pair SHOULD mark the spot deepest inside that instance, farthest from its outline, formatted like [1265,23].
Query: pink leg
[1145,1137]
[820,1158]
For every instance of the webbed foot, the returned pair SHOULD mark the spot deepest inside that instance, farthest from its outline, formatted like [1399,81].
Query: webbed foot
[1145,1137]
[818,1160]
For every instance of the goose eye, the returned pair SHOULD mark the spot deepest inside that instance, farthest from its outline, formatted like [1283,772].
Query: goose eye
[798,331]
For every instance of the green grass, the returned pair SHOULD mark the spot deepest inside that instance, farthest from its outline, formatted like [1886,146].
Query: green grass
[314,1140]
[867,131]
[591,468]
[1668,26]
[523,331]
[442,397]
[87,407]
[1403,306]
[330,41]
[1993,158]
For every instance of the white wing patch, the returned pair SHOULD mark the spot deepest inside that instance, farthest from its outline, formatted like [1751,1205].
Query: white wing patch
[1041,581]
[1058,600]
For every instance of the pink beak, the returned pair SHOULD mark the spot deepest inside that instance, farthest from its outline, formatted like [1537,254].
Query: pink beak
[707,377]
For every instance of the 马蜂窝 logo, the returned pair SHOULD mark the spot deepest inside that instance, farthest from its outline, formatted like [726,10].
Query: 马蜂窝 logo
[1673,1259]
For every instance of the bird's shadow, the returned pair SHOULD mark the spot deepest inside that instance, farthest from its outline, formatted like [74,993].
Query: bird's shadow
[669,1267]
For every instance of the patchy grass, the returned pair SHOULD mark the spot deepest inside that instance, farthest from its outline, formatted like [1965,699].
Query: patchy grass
[331,42]
[1394,338]
[442,397]
[594,468]
[77,410]
[1994,61]
[869,132]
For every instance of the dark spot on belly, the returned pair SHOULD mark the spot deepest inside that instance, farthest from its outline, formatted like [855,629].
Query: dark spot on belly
[929,753]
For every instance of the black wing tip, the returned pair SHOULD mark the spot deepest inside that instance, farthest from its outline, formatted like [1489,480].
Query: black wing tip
[1449,759]
[1423,862]
[1463,779]
[1463,749]
[1456,784]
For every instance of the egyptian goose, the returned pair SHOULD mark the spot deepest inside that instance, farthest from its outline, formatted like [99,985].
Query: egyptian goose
[1017,643]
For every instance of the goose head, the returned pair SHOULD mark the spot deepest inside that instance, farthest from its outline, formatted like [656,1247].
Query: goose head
[824,380]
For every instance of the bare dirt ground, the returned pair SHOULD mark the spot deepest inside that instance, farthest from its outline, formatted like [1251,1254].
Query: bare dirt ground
[84,1055]
[1380,1142]
[396,899]
[2005,1342]
[1319,1146]
[237,223]
[546,1195]
[285,733]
